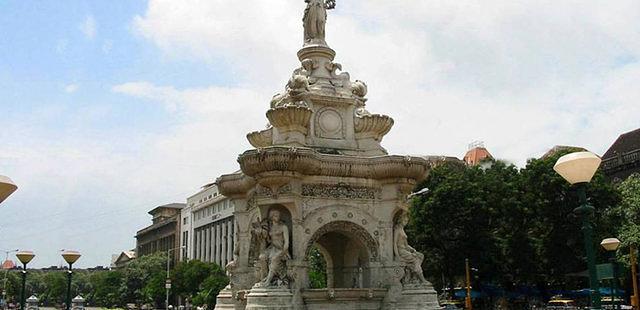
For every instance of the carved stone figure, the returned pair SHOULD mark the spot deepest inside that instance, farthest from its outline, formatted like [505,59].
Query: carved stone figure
[274,253]
[314,20]
[406,254]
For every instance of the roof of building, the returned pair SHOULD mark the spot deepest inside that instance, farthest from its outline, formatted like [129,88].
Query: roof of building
[476,155]
[125,256]
[560,148]
[8,264]
[626,142]
[174,205]
[167,221]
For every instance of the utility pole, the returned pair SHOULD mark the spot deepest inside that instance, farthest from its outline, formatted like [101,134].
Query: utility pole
[634,277]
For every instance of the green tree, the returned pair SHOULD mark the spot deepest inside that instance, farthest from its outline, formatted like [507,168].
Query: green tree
[515,225]
[210,288]
[627,214]
[188,277]
[317,269]
[106,289]
[554,229]
[55,288]
[136,286]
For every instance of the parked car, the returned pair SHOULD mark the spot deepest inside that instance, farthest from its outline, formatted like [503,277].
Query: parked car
[561,304]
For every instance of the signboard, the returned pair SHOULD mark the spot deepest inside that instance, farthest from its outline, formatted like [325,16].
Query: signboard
[605,271]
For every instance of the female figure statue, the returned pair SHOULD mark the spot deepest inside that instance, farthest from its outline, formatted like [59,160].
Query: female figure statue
[275,235]
[314,20]
[404,252]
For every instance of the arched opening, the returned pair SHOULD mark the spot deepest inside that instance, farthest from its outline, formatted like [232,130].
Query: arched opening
[347,250]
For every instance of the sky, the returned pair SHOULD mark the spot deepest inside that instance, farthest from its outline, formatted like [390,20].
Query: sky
[110,108]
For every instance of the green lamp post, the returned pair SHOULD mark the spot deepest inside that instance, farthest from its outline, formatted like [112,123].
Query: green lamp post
[70,257]
[611,245]
[578,168]
[24,257]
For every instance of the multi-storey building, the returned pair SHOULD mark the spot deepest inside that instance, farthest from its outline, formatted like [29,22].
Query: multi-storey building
[163,234]
[623,157]
[208,227]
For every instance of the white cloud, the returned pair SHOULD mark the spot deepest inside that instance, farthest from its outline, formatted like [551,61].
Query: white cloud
[71,88]
[522,76]
[89,27]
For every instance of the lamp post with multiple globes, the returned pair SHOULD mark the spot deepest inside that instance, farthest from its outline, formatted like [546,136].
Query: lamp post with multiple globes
[70,257]
[578,168]
[24,257]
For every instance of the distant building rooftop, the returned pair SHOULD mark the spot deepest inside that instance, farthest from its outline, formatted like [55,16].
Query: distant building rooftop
[623,156]
[8,264]
[174,205]
[476,154]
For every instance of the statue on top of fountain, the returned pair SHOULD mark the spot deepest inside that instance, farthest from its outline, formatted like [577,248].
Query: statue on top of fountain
[315,19]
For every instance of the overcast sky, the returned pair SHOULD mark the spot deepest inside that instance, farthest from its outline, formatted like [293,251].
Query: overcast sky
[110,108]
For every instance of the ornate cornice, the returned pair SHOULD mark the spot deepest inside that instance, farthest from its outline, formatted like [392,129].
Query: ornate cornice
[306,161]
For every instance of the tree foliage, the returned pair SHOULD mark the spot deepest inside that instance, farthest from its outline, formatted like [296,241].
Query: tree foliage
[516,226]
[142,281]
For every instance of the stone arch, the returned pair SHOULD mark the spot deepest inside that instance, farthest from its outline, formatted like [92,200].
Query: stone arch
[348,249]
[350,228]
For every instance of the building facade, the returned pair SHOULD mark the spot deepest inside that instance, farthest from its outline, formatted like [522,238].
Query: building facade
[208,227]
[623,157]
[163,234]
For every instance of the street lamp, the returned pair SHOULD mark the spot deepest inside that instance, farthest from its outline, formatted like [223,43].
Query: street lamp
[167,284]
[70,257]
[578,168]
[24,257]
[7,187]
[611,245]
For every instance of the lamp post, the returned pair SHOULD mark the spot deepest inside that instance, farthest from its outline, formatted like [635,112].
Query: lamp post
[578,168]
[611,245]
[24,257]
[167,284]
[70,257]
[7,187]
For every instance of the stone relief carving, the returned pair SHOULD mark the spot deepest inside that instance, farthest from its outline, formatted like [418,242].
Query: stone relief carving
[359,88]
[340,191]
[329,124]
[406,254]
[272,235]
[338,80]
[264,191]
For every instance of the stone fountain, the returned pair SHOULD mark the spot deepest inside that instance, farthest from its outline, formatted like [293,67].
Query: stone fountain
[319,177]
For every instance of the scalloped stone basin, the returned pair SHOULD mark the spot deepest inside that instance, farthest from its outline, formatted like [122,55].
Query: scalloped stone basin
[344,298]
[290,118]
[260,138]
[373,126]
